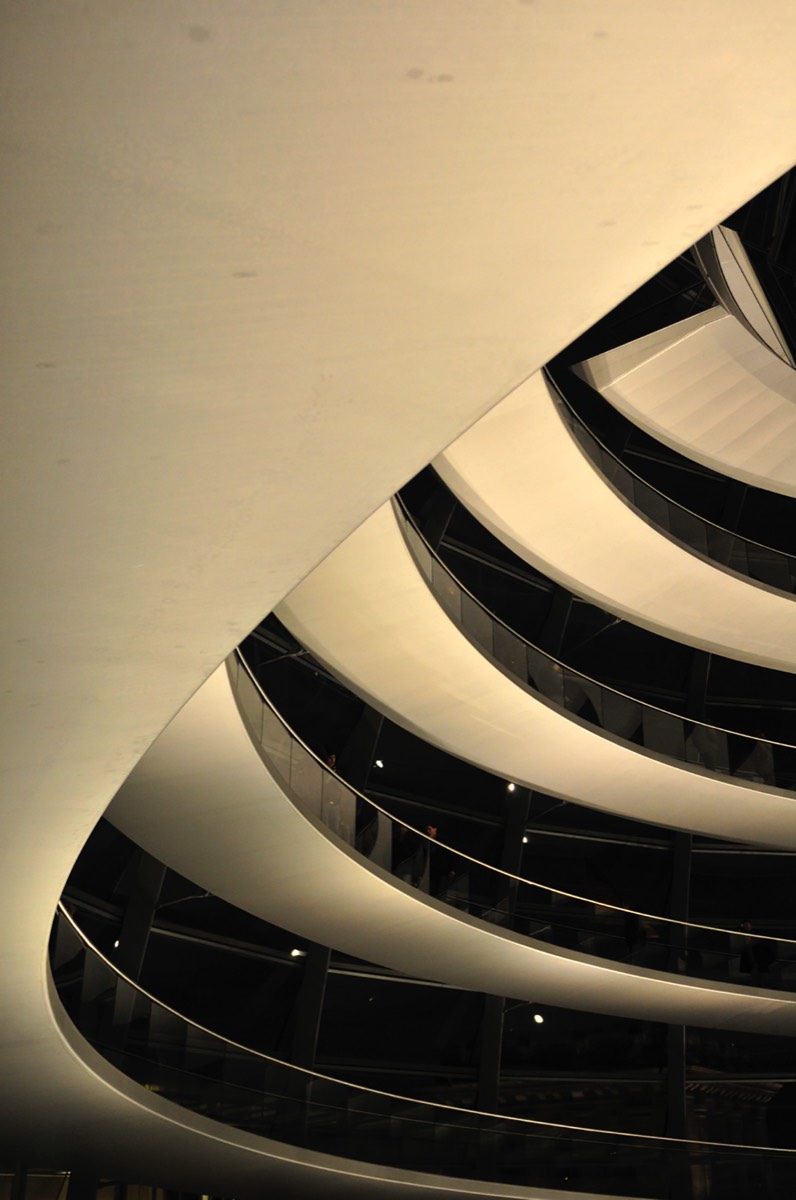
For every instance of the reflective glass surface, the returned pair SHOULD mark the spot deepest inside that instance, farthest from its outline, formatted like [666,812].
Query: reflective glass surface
[217,1078]
[420,861]
[756,561]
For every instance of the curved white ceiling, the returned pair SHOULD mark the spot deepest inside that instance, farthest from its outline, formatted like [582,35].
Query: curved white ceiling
[257,271]
[711,391]
[369,615]
[524,477]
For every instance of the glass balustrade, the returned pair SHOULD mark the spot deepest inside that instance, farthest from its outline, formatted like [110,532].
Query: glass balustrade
[419,861]
[190,1065]
[725,751]
[756,561]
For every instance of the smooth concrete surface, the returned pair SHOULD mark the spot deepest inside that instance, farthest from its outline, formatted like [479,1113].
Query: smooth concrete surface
[369,615]
[261,262]
[713,393]
[520,472]
[202,798]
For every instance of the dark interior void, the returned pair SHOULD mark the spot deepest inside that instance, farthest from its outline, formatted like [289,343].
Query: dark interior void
[570,847]
[658,670]
[676,292]
[235,974]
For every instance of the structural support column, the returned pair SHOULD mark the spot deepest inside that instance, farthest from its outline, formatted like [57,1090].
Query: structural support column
[147,877]
[139,914]
[679,899]
[309,1006]
[83,1185]
[551,635]
[735,496]
[491,1044]
[356,757]
[436,517]
[697,685]
[354,764]
[19,1182]
[676,1034]
[490,1053]
[680,1172]
[301,1035]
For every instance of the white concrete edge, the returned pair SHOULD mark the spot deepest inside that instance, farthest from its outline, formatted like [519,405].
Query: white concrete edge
[522,475]
[263,854]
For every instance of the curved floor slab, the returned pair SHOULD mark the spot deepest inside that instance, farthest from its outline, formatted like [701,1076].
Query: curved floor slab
[368,614]
[203,802]
[519,471]
[115,1126]
[709,389]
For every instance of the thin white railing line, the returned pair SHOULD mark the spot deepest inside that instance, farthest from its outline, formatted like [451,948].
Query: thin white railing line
[573,670]
[363,1088]
[477,861]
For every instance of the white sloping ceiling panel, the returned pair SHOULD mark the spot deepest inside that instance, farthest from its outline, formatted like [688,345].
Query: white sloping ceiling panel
[520,472]
[369,615]
[712,392]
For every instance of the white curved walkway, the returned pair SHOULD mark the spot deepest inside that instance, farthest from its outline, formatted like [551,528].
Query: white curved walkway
[369,615]
[709,389]
[202,799]
[519,471]
[258,269]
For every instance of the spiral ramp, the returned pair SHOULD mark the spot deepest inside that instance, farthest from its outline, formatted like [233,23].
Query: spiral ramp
[258,271]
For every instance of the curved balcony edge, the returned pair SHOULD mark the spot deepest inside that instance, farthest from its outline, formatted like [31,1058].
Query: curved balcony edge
[231,849]
[548,915]
[221,1082]
[754,562]
[368,614]
[614,713]
[533,501]
[149,1131]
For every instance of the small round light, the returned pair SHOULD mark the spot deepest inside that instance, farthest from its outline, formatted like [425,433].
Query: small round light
[294,953]
[538,1018]
[525,840]
[511,787]
[379,763]
[116,944]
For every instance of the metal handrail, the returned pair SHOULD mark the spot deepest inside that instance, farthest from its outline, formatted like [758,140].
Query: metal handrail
[651,486]
[398,502]
[509,876]
[363,1088]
